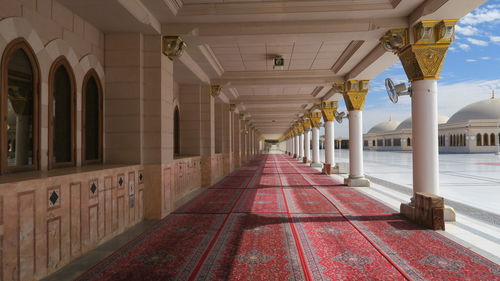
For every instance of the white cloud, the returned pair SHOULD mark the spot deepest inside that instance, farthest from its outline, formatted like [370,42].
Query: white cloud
[490,14]
[495,39]
[453,97]
[477,42]
[470,60]
[485,58]
[466,30]
[463,46]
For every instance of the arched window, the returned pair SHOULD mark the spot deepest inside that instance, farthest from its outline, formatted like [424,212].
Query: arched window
[478,140]
[373,143]
[465,140]
[20,81]
[485,139]
[177,137]
[91,118]
[408,141]
[61,115]
[492,140]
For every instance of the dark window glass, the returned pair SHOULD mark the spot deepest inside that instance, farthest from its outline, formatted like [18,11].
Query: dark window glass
[478,140]
[20,107]
[92,122]
[177,140]
[61,116]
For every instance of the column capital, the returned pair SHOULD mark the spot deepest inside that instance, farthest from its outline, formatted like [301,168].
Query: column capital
[355,94]
[299,128]
[314,119]
[424,57]
[306,123]
[215,90]
[328,109]
[232,107]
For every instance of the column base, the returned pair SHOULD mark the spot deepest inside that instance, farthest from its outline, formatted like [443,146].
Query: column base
[357,182]
[316,165]
[327,169]
[304,160]
[295,156]
[428,210]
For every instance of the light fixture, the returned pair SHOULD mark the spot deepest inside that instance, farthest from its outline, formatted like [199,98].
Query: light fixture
[278,62]
[173,46]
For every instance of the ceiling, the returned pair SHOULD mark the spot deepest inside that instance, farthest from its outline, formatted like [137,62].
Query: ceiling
[232,43]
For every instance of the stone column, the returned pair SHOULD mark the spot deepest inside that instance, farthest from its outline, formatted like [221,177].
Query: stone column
[422,58]
[207,131]
[354,96]
[301,145]
[226,138]
[315,119]
[237,140]
[328,111]
[244,141]
[297,144]
[141,97]
[306,123]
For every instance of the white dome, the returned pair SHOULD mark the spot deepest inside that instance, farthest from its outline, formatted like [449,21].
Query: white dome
[407,123]
[384,127]
[485,109]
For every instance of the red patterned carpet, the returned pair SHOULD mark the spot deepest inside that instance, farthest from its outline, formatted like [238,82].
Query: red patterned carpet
[277,219]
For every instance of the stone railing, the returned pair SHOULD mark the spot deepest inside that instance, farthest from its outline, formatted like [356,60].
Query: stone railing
[185,175]
[49,218]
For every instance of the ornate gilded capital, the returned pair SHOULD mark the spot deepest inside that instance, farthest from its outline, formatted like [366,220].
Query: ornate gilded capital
[173,46]
[215,90]
[425,57]
[355,94]
[315,119]
[306,123]
[299,127]
[232,107]
[242,116]
[328,110]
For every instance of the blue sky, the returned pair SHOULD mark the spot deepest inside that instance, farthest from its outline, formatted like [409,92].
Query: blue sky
[471,71]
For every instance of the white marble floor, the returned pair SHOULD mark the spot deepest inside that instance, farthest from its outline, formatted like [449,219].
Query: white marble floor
[471,179]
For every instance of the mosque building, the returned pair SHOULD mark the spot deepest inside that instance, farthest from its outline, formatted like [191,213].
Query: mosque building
[472,129]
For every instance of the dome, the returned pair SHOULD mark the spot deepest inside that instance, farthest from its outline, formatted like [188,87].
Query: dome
[384,127]
[485,109]
[407,123]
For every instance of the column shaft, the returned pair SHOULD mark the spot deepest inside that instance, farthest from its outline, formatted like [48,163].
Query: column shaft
[301,146]
[329,144]
[356,144]
[425,137]
[296,146]
[315,145]
[307,145]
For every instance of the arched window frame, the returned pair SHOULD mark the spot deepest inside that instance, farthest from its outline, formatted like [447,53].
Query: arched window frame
[14,45]
[486,139]
[479,140]
[92,74]
[62,61]
[493,141]
[177,131]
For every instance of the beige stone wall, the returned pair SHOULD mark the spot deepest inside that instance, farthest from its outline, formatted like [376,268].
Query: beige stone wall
[51,20]
[40,236]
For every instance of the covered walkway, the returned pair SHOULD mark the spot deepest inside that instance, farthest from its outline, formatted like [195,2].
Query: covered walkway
[277,219]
